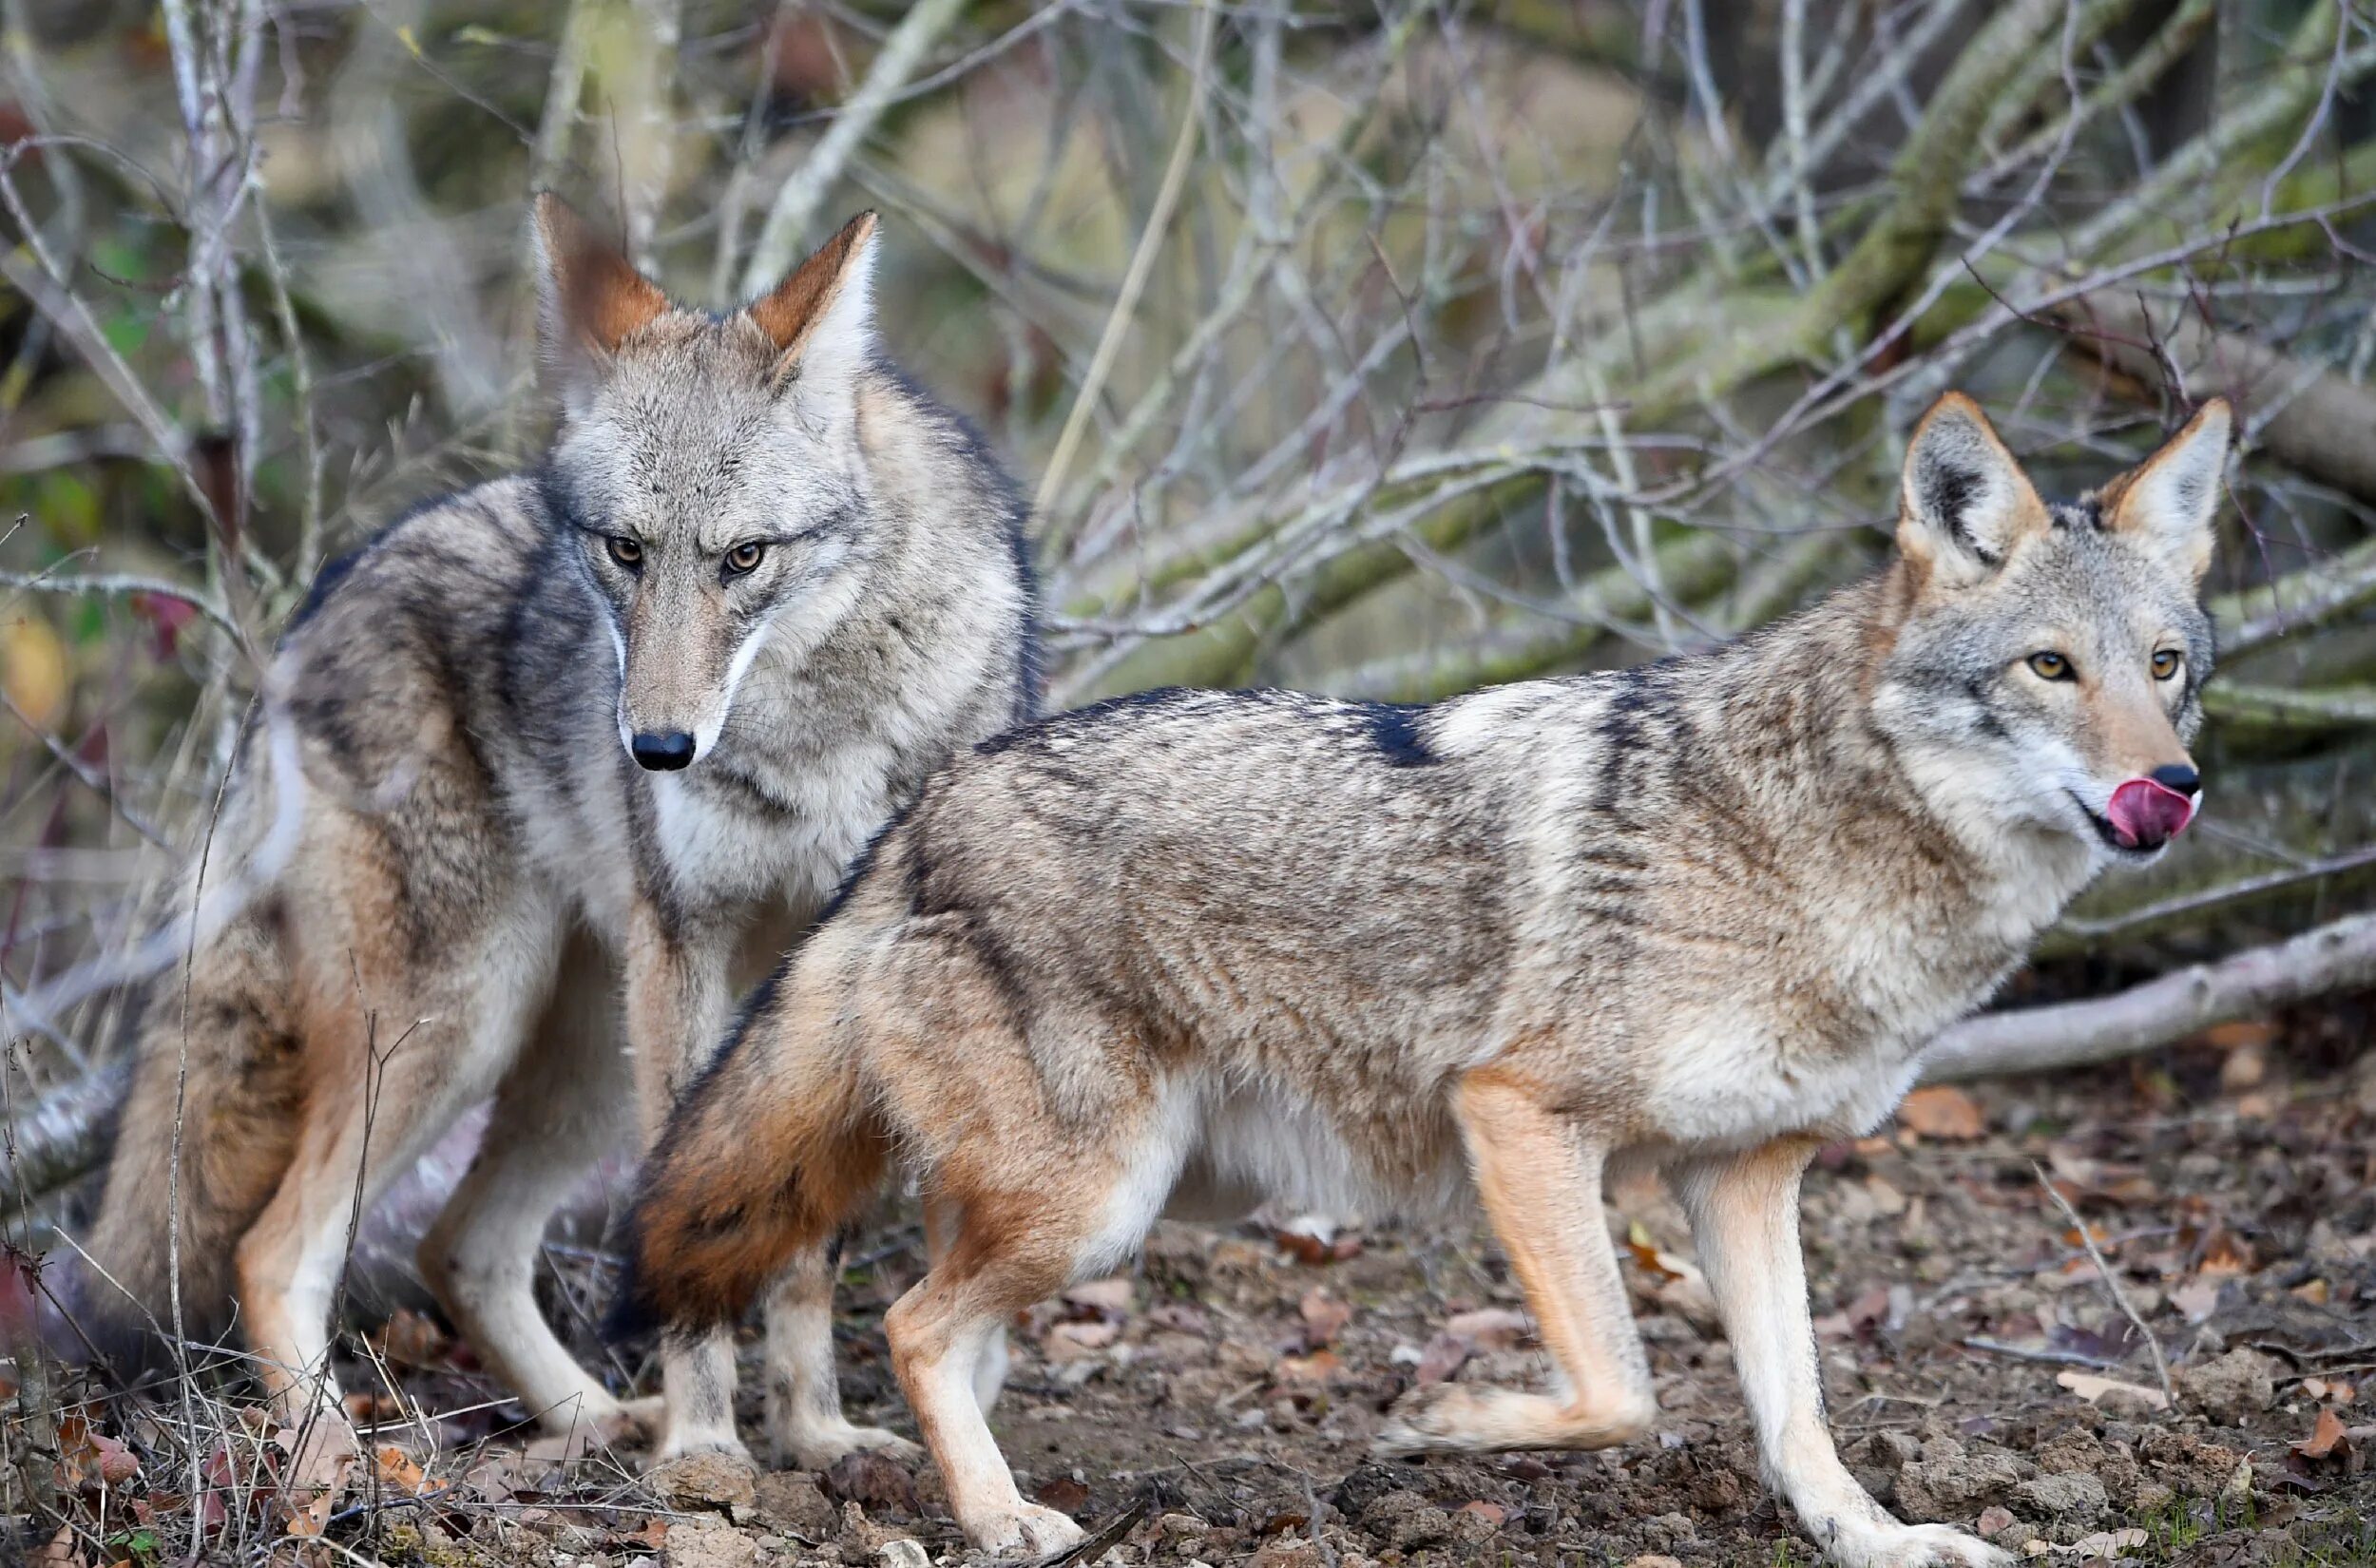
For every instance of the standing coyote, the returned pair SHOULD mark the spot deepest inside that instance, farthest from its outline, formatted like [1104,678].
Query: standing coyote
[1702,914]
[634,712]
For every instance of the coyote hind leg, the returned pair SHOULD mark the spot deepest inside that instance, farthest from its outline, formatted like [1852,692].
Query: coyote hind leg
[939,1332]
[564,1102]
[1540,1184]
[805,1423]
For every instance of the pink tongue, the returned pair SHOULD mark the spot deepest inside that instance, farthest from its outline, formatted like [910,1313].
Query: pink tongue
[2144,813]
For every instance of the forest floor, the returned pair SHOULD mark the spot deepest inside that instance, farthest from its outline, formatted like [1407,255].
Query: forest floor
[1217,1403]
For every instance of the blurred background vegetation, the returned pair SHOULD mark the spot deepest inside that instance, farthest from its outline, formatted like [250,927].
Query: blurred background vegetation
[1387,348]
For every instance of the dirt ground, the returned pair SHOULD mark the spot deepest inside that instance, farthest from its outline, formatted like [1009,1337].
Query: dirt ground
[1215,1404]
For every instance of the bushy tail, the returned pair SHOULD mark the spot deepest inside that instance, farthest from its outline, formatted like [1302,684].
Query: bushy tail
[776,1148]
[221,1058]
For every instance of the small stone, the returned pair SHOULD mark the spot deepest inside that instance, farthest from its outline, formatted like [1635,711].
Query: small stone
[1993,1520]
[2186,1463]
[791,1499]
[873,1478]
[900,1552]
[1671,1530]
[708,1543]
[708,1480]
[1407,1521]
[2237,1384]
[1653,1560]
[1948,1484]
[2077,1496]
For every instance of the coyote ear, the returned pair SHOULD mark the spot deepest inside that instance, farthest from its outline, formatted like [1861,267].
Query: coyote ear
[1965,502]
[2166,502]
[822,319]
[589,298]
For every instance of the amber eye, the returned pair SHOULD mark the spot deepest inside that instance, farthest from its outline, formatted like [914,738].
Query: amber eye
[743,557]
[2050,666]
[2165,663]
[627,552]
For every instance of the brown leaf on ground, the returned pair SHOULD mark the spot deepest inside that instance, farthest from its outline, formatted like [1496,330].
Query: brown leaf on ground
[2094,1389]
[1106,1298]
[1489,1327]
[1942,1111]
[1445,1355]
[1307,1245]
[410,1339]
[1317,1367]
[2328,1437]
[1324,1317]
[92,1457]
[1075,1341]
[2226,1255]
[1063,1493]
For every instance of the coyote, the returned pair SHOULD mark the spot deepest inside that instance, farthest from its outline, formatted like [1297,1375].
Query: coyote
[1701,914]
[631,714]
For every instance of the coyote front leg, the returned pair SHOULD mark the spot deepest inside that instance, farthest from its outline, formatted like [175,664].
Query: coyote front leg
[677,1004]
[1540,1179]
[1744,1219]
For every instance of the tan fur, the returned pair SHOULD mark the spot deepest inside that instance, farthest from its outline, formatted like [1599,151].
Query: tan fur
[488,859]
[1703,914]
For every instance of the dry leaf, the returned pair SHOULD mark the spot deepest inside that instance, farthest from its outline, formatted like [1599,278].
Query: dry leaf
[2326,1435]
[2197,1298]
[1492,1512]
[1317,1367]
[399,1472]
[1076,1341]
[1063,1493]
[1489,1327]
[1324,1318]
[2092,1388]
[1942,1111]
[1108,1298]
[2243,1032]
[2105,1544]
[2225,1256]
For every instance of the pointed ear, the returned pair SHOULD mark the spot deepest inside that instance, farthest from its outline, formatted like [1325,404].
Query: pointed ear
[589,298]
[822,319]
[2166,502]
[1964,502]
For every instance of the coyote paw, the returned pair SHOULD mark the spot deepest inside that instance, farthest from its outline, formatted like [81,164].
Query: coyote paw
[1914,1546]
[1028,1531]
[680,1441]
[813,1445]
[1472,1418]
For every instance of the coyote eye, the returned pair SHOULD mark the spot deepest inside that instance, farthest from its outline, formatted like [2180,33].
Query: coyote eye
[2051,665]
[2165,663]
[627,552]
[743,557]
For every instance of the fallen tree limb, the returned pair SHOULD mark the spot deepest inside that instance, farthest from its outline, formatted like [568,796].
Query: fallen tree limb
[2340,956]
[2322,424]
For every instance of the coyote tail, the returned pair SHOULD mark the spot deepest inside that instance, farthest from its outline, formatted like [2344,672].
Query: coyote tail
[775,1148]
[221,1063]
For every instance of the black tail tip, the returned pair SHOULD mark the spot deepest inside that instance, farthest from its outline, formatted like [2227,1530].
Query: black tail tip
[632,1314]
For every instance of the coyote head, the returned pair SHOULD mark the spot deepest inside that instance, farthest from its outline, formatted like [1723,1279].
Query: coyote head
[2049,670]
[707,467]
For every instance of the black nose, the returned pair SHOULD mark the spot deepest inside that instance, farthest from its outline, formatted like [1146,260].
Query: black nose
[2177,775]
[665,752]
